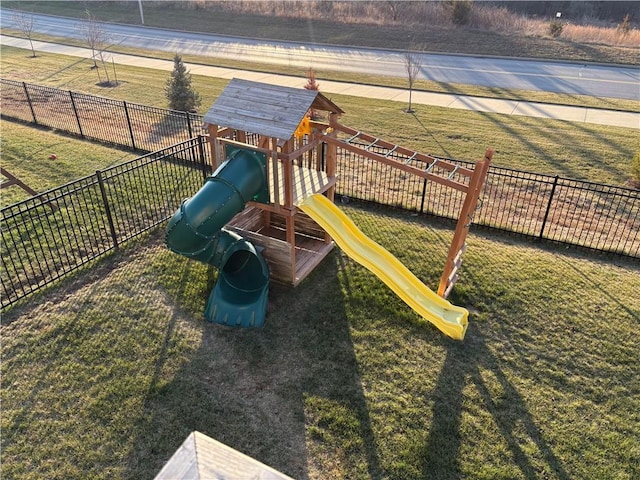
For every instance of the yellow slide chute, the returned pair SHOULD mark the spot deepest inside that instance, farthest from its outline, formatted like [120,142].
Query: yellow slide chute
[450,319]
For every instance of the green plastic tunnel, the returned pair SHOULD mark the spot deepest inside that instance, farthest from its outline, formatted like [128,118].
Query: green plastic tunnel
[196,231]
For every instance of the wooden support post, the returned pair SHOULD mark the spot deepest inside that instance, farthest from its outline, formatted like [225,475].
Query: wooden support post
[263,142]
[464,222]
[319,155]
[287,147]
[213,145]
[331,158]
[13,180]
[332,165]
[275,172]
[288,182]
[291,240]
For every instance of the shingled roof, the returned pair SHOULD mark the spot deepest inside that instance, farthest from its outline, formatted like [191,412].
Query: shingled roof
[265,109]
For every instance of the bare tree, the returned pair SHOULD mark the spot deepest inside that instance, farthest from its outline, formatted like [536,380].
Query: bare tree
[97,39]
[393,6]
[24,21]
[412,67]
[312,84]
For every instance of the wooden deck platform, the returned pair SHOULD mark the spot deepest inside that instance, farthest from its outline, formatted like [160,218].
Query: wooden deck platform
[287,264]
[202,457]
[305,181]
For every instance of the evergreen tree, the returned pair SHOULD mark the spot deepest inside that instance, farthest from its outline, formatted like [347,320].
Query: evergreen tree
[180,93]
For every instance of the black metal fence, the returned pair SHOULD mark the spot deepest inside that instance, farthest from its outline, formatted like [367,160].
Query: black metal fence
[139,127]
[52,234]
[600,217]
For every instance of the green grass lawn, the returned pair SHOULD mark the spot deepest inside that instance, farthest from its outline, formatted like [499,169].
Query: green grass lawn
[580,151]
[105,375]
[30,162]
[367,79]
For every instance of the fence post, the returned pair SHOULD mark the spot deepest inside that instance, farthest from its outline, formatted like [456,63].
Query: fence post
[189,124]
[546,213]
[203,160]
[33,113]
[75,111]
[424,193]
[126,112]
[103,192]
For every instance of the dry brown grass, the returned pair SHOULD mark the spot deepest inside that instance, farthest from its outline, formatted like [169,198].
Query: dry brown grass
[603,35]
[482,17]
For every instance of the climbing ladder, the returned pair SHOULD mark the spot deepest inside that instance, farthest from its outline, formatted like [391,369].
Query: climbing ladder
[437,170]
[444,172]
[458,245]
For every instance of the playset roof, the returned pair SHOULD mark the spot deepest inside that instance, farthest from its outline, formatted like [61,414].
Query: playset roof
[265,109]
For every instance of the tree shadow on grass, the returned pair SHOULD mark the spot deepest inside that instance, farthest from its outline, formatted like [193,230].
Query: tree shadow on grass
[173,125]
[258,391]
[463,367]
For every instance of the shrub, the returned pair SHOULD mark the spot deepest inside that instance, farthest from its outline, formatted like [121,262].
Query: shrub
[555,28]
[312,84]
[461,11]
[625,27]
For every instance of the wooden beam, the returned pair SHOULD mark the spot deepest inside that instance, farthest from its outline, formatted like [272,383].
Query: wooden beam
[291,240]
[464,222]
[300,151]
[288,182]
[13,180]
[401,166]
[229,141]
[331,166]
[444,164]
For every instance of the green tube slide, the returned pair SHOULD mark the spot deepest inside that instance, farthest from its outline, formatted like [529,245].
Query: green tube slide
[196,231]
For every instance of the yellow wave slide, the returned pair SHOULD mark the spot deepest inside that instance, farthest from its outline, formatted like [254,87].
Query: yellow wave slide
[450,319]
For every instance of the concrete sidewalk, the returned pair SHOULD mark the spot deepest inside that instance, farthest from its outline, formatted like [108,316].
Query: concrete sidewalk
[462,102]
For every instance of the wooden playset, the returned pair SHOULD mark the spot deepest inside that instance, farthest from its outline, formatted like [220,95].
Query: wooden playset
[303,159]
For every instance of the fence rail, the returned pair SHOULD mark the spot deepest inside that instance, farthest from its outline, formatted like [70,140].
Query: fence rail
[601,217]
[54,233]
[139,127]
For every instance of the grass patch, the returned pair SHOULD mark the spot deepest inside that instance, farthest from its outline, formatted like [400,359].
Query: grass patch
[580,151]
[367,79]
[29,160]
[113,369]
[340,30]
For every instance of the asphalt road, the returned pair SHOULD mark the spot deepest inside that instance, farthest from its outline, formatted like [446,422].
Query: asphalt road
[511,73]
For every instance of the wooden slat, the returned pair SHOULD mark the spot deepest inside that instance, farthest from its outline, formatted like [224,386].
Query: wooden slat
[289,262]
[405,151]
[400,166]
[304,182]
[307,259]
[464,222]
[250,218]
[270,110]
[202,457]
